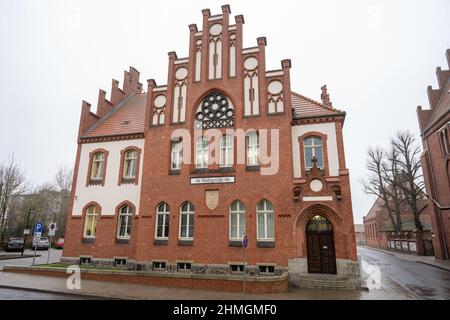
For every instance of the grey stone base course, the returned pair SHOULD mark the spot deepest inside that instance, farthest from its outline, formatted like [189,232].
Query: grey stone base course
[348,272]
[171,267]
[348,275]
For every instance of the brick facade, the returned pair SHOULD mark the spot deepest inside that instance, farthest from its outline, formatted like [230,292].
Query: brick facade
[434,126]
[294,202]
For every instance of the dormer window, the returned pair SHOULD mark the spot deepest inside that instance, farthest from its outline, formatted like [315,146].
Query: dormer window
[313,149]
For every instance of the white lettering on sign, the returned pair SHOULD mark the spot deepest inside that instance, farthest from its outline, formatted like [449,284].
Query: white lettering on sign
[212,180]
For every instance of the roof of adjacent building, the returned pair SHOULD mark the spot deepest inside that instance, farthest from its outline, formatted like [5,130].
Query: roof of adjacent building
[126,118]
[305,107]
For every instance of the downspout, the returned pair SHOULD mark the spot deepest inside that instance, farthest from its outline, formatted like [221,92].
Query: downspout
[436,197]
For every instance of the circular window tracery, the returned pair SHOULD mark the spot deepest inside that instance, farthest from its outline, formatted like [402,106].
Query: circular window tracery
[215,111]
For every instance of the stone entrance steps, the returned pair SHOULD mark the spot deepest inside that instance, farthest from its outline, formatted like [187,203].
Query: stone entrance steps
[326,282]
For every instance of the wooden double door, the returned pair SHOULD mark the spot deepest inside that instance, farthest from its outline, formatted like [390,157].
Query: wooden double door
[321,253]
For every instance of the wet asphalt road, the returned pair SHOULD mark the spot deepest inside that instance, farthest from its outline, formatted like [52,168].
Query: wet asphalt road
[55,255]
[427,282]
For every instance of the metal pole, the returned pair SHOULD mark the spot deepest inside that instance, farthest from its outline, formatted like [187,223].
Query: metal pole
[245,272]
[49,247]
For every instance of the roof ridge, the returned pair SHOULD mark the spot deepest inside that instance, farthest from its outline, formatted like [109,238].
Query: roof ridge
[316,102]
[110,113]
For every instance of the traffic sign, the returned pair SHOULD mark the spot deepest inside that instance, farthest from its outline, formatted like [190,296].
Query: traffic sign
[245,241]
[52,229]
[38,227]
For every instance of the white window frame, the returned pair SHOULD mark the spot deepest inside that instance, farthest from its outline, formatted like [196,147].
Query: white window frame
[265,212]
[129,213]
[94,215]
[188,221]
[226,151]
[240,211]
[203,151]
[130,162]
[176,155]
[253,152]
[313,151]
[166,219]
[100,162]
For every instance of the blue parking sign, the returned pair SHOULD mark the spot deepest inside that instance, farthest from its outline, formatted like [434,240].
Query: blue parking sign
[38,227]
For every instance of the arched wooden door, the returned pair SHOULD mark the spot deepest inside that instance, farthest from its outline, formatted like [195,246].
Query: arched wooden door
[320,246]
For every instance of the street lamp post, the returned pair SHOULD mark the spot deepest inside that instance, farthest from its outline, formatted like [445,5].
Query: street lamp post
[27,228]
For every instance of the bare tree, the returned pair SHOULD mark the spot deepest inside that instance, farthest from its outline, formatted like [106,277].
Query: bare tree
[63,178]
[377,183]
[11,182]
[411,178]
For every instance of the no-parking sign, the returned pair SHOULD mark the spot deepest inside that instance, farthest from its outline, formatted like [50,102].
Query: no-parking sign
[52,229]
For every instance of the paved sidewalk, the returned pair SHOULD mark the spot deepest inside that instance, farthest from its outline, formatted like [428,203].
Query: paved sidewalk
[112,290]
[432,261]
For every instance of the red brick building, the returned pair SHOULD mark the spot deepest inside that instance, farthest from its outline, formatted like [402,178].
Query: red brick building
[435,131]
[380,232]
[170,179]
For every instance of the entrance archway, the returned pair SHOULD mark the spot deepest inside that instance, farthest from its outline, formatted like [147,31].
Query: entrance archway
[320,246]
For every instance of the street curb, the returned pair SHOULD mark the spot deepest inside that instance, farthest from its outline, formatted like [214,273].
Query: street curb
[433,265]
[61,292]
[19,257]
[414,260]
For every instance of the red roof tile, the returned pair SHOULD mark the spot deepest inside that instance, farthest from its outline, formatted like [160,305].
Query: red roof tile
[126,118]
[305,107]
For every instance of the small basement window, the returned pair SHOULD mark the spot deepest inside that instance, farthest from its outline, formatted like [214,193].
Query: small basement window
[266,270]
[236,268]
[183,266]
[85,260]
[159,266]
[120,262]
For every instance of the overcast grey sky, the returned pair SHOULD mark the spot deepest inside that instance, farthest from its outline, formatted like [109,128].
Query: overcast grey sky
[377,58]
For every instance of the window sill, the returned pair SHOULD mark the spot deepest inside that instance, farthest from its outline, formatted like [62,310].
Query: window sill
[122,241]
[265,244]
[128,181]
[235,243]
[160,242]
[88,240]
[252,168]
[282,113]
[95,182]
[185,242]
[173,172]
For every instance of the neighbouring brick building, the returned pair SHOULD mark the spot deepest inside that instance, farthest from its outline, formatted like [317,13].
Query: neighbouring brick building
[434,126]
[360,235]
[380,232]
[170,179]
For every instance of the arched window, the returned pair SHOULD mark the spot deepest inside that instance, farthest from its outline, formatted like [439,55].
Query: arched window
[90,222]
[237,220]
[130,164]
[252,141]
[125,220]
[215,111]
[98,164]
[265,221]
[176,155]
[162,221]
[187,221]
[313,150]
[319,224]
